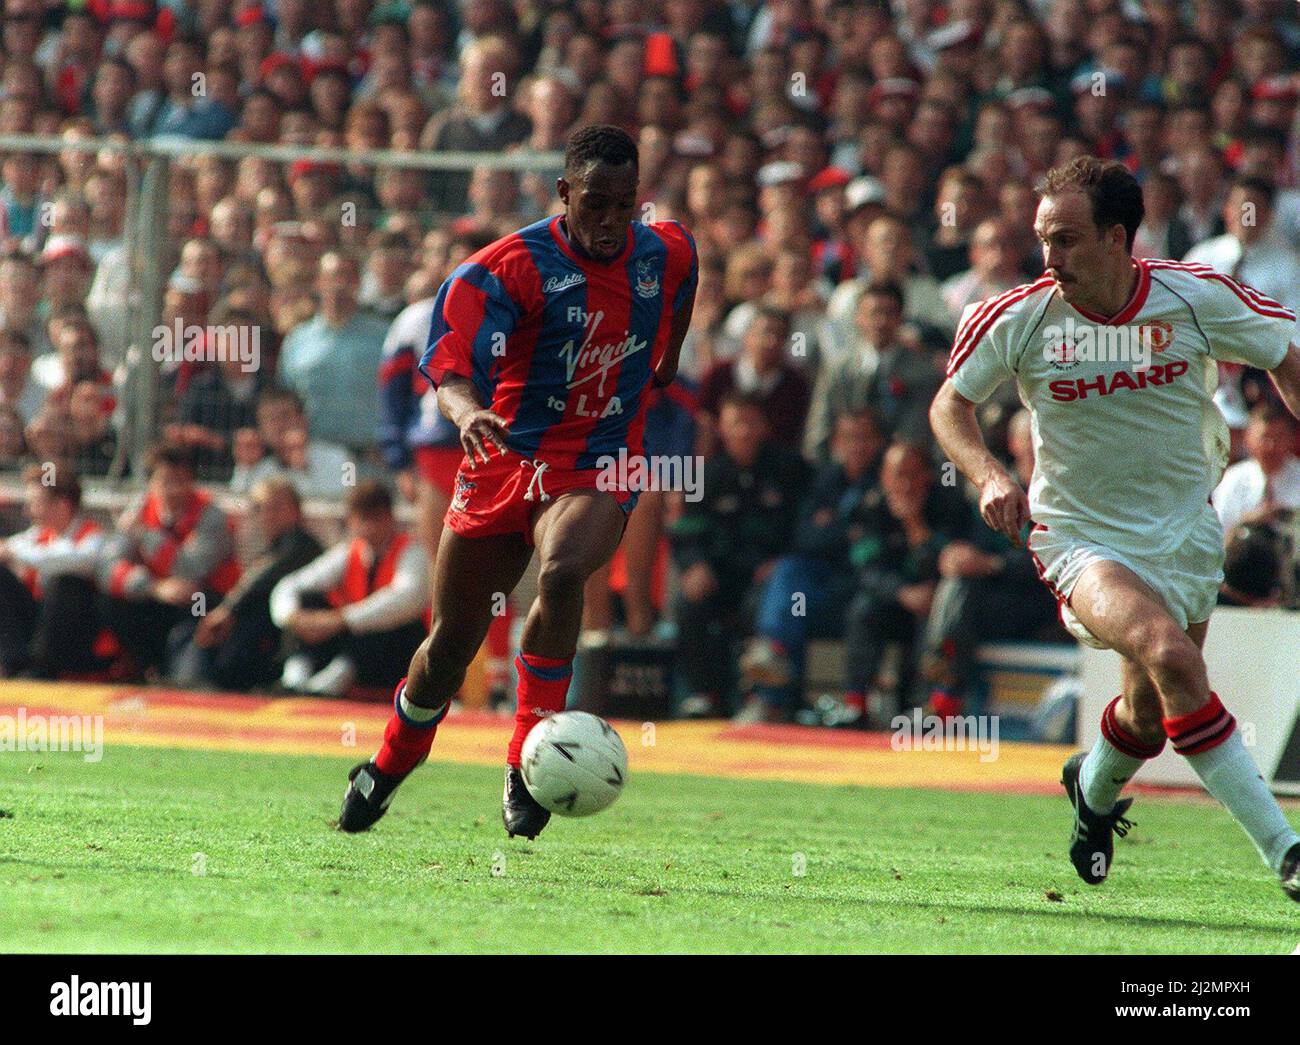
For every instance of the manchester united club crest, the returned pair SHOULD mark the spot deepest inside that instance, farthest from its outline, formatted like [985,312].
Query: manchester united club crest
[647,281]
[463,489]
[1158,335]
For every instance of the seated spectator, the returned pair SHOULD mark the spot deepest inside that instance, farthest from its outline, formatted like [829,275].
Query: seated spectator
[20,300]
[13,442]
[763,371]
[76,359]
[889,256]
[236,645]
[92,440]
[886,373]
[793,290]
[20,196]
[180,112]
[387,268]
[17,388]
[220,399]
[281,447]
[173,554]
[726,543]
[1162,233]
[897,564]
[993,268]
[47,580]
[493,203]
[988,590]
[332,360]
[959,204]
[66,273]
[1252,250]
[807,595]
[356,613]
[1264,488]
[482,120]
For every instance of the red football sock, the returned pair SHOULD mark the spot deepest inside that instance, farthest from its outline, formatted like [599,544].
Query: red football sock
[543,686]
[406,740]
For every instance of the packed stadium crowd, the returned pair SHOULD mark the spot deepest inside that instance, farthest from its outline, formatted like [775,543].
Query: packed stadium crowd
[856,176]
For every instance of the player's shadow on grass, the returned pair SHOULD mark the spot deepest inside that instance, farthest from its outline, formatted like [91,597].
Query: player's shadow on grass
[1056,910]
[65,869]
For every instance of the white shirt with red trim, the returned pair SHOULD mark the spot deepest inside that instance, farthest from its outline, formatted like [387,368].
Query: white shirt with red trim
[41,554]
[1126,456]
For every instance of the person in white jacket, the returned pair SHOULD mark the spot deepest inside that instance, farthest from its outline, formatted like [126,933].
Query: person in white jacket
[357,613]
[1265,487]
[47,587]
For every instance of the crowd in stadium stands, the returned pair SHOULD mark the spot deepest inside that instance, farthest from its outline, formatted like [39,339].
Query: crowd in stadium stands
[856,175]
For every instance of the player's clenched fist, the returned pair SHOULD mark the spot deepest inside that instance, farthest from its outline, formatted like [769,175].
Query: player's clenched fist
[479,431]
[1004,506]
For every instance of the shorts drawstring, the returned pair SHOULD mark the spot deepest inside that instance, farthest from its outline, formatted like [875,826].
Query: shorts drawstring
[538,468]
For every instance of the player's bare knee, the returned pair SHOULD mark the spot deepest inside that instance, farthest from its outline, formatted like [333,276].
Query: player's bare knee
[561,579]
[1174,661]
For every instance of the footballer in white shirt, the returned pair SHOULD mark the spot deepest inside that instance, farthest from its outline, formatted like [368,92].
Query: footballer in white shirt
[1116,360]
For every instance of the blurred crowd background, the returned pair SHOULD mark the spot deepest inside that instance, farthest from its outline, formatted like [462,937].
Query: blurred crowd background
[855,175]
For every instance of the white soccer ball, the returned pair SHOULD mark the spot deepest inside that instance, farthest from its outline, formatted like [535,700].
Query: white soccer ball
[574,763]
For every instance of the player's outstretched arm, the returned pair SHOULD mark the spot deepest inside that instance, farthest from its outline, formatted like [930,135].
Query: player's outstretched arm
[1286,376]
[480,428]
[1003,504]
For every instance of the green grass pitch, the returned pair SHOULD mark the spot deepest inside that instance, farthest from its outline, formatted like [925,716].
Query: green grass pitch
[197,851]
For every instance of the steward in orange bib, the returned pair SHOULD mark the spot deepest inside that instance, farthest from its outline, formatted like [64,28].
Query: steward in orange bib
[357,613]
[170,561]
[47,585]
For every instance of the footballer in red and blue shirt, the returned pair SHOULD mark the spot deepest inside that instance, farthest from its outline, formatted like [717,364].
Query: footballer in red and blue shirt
[544,348]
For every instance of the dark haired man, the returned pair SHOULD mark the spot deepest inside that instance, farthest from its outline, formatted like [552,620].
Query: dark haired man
[544,345]
[1252,250]
[1129,446]
[172,557]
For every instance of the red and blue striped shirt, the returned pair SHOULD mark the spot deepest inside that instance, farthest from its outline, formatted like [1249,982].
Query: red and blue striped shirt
[562,346]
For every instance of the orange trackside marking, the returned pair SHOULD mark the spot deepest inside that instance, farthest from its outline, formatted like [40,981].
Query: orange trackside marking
[146,717]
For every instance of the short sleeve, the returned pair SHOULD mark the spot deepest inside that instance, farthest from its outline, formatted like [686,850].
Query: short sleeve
[686,288]
[473,314]
[981,356]
[1243,325]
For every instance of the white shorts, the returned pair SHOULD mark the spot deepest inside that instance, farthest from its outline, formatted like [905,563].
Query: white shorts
[1187,579]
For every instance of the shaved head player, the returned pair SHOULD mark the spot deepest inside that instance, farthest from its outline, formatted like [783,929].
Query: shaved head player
[543,347]
[1128,450]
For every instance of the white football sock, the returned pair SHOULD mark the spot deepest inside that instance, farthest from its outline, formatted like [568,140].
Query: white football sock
[1104,773]
[1231,776]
